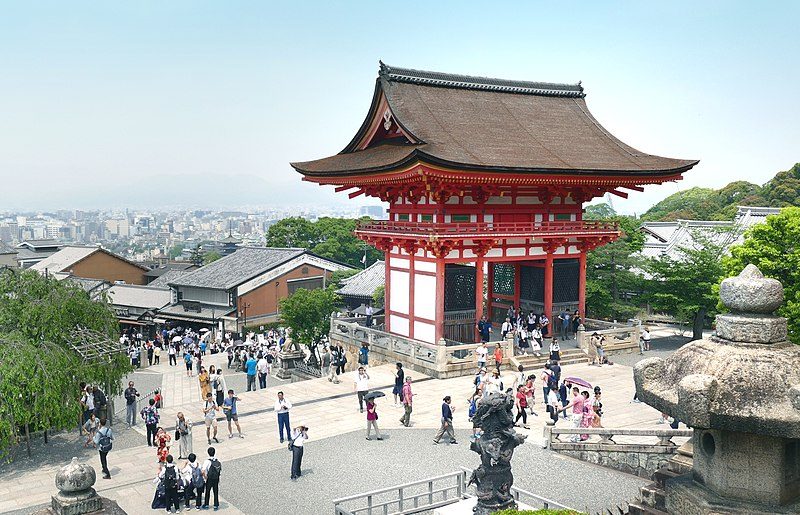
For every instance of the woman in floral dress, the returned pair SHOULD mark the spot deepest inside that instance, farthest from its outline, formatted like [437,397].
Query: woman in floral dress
[162,443]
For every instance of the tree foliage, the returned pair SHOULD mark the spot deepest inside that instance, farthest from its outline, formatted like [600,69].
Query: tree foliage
[210,257]
[611,270]
[773,248]
[308,313]
[687,286]
[39,370]
[331,238]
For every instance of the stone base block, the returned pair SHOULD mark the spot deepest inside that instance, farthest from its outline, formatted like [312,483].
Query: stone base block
[687,497]
[288,361]
[751,328]
[80,504]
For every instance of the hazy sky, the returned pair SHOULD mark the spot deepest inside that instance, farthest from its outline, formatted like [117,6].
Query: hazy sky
[205,103]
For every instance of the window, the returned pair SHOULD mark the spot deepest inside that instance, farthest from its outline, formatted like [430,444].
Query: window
[426,218]
[459,218]
[563,217]
[402,217]
[312,283]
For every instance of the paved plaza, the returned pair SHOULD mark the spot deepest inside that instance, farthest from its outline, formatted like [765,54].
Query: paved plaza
[338,461]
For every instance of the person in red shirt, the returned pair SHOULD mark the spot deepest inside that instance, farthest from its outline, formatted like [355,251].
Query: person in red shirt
[498,356]
[521,402]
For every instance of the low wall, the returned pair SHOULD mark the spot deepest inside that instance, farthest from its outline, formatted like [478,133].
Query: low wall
[441,361]
[621,340]
[642,452]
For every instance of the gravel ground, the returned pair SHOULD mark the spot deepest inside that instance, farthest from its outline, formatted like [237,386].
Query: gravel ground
[348,465]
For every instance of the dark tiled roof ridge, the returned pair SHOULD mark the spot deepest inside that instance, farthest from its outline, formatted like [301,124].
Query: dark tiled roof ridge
[451,80]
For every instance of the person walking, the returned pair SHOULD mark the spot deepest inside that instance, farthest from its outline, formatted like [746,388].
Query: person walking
[484,327]
[397,390]
[156,355]
[333,372]
[183,432]
[372,419]
[103,440]
[262,367]
[521,401]
[130,404]
[369,311]
[498,357]
[480,354]
[363,355]
[210,409]
[407,397]
[232,413]
[212,469]
[361,386]
[220,387]
[555,350]
[150,416]
[162,440]
[205,382]
[644,340]
[299,436]
[89,428]
[447,422]
[577,411]
[194,482]
[189,360]
[282,407]
[171,478]
[173,359]
[251,365]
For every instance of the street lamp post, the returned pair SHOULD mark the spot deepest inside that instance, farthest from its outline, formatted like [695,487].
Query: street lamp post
[243,312]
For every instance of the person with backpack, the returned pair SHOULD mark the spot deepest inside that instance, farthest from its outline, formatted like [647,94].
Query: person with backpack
[212,468]
[363,355]
[150,416]
[194,482]
[170,476]
[103,439]
[219,385]
[333,372]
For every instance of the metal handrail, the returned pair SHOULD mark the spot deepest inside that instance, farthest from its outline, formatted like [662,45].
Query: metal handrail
[516,492]
[468,229]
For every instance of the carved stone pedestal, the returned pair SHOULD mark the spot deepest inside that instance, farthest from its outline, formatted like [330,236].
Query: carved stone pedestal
[76,495]
[287,361]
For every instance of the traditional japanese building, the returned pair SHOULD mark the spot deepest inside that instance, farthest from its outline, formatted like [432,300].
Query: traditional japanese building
[483,176]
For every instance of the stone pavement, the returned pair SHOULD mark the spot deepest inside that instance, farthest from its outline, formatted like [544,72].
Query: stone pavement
[330,410]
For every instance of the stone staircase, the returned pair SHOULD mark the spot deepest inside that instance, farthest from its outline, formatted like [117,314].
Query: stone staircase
[652,497]
[532,362]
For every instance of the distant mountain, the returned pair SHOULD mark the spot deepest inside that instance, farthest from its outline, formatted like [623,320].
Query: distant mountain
[709,204]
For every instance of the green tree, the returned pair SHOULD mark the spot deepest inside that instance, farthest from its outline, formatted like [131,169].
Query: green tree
[687,286]
[308,314]
[40,321]
[331,238]
[772,247]
[210,257]
[379,296]
[176,250]
[197,257]
[784,189]
[613,271]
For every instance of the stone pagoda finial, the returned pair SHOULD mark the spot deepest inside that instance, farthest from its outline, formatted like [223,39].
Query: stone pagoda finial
[740,392]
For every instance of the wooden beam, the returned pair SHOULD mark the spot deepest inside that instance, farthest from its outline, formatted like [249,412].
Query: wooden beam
[343,188]
[360,191]
[613,192]
[632,187]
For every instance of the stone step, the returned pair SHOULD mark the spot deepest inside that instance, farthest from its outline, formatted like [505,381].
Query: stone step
[680,464]
[662,474]
[687,449]
[640,509]
[532,362]
[653,496]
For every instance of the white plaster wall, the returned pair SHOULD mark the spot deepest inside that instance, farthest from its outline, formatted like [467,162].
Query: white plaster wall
[499,200]
[515,252]
[398,324]
[528,200]
[425,296]
[398,292]
[400,263]
[425,266]
[424,331]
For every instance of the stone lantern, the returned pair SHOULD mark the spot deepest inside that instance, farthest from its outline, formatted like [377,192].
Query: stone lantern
[740,391]
[75,493]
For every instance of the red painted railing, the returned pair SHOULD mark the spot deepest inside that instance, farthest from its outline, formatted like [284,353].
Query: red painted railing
[471,229]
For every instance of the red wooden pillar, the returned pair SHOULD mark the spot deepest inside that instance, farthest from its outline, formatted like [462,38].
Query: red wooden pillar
[489,288]
[412,280]
[439,298]
[548,287]
[387,292]
[517,285]
[582,284]
[478,294]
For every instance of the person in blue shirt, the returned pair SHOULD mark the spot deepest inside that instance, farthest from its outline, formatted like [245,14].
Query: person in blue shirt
[484,328]
[232,413]
[251,365]
[363,355]
[447,422]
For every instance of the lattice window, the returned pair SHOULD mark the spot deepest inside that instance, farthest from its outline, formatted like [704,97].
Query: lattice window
[565,280]
[503,279]
[531,283]
[459,288]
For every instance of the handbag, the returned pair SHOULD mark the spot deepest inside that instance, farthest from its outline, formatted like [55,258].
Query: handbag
[291,443]
[177,434]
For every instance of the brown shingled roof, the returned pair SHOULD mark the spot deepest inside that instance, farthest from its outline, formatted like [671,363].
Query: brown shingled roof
[476,123]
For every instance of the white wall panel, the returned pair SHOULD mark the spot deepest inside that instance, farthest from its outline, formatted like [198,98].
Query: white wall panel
[425,296]
[398,293]
[398,324]
[424,331]
[425,266]
[515,252]
[400,263]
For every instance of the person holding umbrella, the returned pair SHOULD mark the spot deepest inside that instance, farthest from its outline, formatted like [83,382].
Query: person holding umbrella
[372,414]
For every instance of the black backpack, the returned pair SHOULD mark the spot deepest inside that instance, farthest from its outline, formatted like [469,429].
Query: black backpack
[214,470]
[104,441]
[170,478]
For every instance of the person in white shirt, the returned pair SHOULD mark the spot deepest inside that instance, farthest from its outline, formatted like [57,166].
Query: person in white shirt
[262,366]
[282,407]
[644,341]
[192,483]
[493,384]
[361,386]
[299,435]
[481,352]
[212,478]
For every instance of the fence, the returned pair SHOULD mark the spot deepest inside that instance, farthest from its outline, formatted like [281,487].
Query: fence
[426,494]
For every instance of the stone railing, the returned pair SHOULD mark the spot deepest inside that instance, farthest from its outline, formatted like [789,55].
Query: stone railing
[621,340]
[441,361]
[634,451]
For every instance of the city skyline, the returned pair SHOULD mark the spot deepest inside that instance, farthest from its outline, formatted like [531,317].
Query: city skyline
[198,105]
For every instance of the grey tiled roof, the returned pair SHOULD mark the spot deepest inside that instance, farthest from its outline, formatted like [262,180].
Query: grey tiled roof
[178,311]
[236,268]
[139,296]
[5,249]
[364,283]
[168,277]
[88,285]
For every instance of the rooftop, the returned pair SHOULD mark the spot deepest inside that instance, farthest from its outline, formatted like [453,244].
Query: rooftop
[68,256]
[364,283]
[479,123]
[139,296]
[234,269]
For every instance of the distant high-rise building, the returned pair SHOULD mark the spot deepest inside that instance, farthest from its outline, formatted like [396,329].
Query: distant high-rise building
[376,212]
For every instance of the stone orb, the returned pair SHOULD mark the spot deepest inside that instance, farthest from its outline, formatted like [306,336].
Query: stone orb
[75,477]
[751,292]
